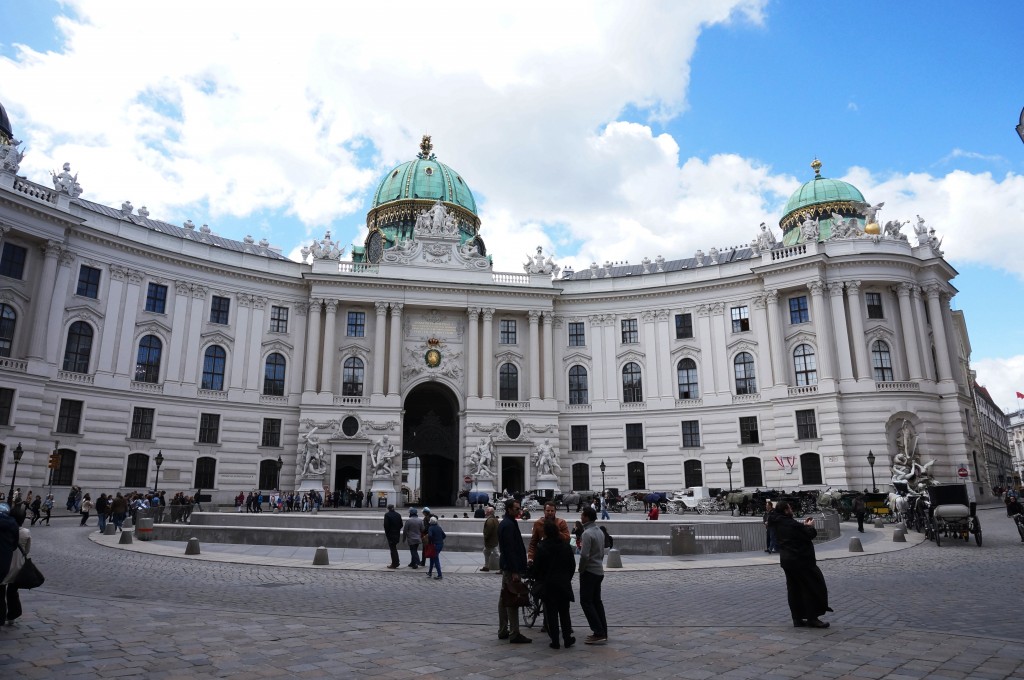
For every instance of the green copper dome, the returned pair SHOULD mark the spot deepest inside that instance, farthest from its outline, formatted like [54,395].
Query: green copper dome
[820,197]
[425,178]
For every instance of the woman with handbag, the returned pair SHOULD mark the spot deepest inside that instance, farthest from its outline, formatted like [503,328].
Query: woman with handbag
[434,546]
[15,541]
[553,567]
[86,509]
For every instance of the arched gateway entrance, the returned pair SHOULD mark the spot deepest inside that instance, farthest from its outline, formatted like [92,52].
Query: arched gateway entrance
[430,437]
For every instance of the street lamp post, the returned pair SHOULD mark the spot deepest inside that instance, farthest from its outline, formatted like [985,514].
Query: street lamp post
[871,462]
[18,453]
[159,462]
[603,468]
[728,466]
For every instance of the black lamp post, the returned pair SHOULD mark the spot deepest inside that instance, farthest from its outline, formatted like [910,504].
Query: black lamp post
[603,468]
[18,453]
[871,462]
[280,464]
[159,462]
[728,466]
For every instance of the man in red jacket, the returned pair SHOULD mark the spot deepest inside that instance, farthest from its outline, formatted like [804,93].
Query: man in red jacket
[538,529]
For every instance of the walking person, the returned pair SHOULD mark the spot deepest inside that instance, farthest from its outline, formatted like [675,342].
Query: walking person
[805,584]
[436,537]
[769,530]
[393,533]
[513,566]
[36,508]
[860,509]
[102,508]
[13,535]
[86,509]
[553,566]
[118,510]
[412,535]
[604,508]
[591,576]
[47,509]
[490,536]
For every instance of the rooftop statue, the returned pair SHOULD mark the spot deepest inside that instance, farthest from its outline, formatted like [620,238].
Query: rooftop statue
[66,183]
[870,212]
[892,230]
[326,249]
[537,265]
[921,231]
[809,228]
[10,156]
[764,240]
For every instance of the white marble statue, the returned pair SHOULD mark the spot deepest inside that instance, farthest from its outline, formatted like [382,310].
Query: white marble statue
[907,469]
[809,228]
[546,460]
[481,459]
[892,230]
[766,239]
[381,456]
[921,231]
[67,183]
[312,454]
[870,213]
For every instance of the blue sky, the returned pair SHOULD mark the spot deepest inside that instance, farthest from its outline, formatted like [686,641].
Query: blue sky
[601,131]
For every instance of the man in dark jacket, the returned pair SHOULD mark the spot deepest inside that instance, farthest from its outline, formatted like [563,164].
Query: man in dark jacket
[805,584]
[513,566]
[553,567]
[393,532]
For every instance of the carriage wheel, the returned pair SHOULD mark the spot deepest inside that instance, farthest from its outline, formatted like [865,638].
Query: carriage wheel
[935,533]
[977,537]
[1020,530]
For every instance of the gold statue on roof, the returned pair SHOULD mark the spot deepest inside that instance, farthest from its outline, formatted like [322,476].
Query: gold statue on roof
[426,148]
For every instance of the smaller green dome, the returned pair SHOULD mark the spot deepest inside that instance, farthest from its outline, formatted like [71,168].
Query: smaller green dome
[821,195]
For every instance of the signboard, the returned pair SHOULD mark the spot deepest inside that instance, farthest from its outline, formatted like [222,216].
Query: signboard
[962,472]
[467,479]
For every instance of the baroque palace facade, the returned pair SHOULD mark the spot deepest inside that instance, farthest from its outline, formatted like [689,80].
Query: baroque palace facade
[780,364]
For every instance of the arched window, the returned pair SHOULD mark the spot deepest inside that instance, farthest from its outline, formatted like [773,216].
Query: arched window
[273,375]
[632,386]
[8,319]
[752,475]
[78,348]
[804,365]
[636,476]
[213,368]
[135,476]
[693,473]
[508,382]
[206,473]
[881,360]
[578,387]
[147,364]
[268,475]
[352,377]
[686,372]
[580,476]
[746,380]
[810,464]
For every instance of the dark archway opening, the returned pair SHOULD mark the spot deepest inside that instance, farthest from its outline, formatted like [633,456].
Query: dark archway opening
[513,473]
[431,435]
[347,472]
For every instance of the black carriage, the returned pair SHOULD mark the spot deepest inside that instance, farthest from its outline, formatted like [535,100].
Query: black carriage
[951,514]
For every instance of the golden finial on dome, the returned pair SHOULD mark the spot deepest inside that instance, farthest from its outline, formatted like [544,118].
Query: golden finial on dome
[426,148]
[816,166]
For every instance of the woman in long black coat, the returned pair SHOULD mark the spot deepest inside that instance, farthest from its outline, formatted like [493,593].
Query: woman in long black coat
[805,584]
[553,567]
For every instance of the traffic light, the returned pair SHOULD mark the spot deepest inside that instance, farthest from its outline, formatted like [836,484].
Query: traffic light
[54,460]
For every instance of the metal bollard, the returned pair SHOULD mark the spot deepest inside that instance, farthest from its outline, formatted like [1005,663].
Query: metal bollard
[320,558]
[193,546]
[879,524]
[899,536]
[614,559]
[126,538]
[855,545]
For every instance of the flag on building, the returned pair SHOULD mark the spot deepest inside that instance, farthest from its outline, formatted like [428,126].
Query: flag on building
[1020,396]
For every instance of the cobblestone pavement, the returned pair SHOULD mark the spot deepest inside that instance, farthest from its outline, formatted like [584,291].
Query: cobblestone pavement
[926,611]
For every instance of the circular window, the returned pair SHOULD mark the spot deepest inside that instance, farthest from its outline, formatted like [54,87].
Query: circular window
[350,426]
[375,247]
[429,171]
[513,429]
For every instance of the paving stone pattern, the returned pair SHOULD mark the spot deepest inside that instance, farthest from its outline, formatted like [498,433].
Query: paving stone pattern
[922,612]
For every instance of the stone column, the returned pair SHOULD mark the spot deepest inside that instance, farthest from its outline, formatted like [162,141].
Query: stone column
[612,374]
[127,352]
[487,357]
[932,292]
[662,342]
[860,348]
[313,345]
[473,352]
[557,360]
[41,305]
[54,330]
[835,293]
[178,316]
[771,303]
[378,348]
[237,375]
[597,379]
[113,321]
[648,342]
[534,316]
[329,351]
[196,312]
[764,352]
[909,333]
[254,353]
[296,329]
[822,329]
[924,349]
[395,358]
[719,351]
[709,383]
[549,349]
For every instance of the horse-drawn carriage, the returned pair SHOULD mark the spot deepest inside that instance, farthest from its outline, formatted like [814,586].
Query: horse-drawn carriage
[699,499]
[951,514]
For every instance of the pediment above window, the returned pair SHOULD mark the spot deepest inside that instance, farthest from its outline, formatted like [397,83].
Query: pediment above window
[215,337]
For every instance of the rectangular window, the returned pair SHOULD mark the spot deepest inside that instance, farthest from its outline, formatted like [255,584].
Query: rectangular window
[271,432]
[12,261]
[579,439]
[634,436]
[278,319]
[209,428]
[748,430]
[156,298]
[356,325]
[874,301]
[967,414]
[740,319]
[142,423]
[577,334]
[630,334]
[507,332]
[691,434]
[684,326]
[206,473]
[798,311]
[69,418]
[6,404]
[88,282]
[220,309]
[806,427]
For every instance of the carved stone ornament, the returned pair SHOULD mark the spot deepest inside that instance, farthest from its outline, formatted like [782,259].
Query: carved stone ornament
[324,249]
[433,359]
[10,155]
[538,265]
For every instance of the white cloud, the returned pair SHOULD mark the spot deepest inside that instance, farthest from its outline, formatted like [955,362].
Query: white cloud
[1003,377]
